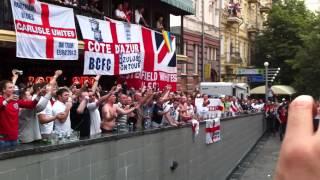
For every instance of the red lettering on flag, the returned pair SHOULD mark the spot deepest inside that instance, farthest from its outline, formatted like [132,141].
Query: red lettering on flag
[45,21]
[40,30]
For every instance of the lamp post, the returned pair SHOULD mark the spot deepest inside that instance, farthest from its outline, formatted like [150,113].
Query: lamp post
[266,65]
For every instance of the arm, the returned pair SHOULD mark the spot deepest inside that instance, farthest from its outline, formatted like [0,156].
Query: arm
[95,84]
[144,21]
[43,102]
[28,104]
[44,119]
[64,115]
[124,112]
[105,97]
[169,119]
[166,95]
[82,105]
[15,76]
[3,102]
[53,81]
[47,91]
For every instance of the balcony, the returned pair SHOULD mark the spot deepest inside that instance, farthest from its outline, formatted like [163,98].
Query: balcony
[252,30]
[234,20]
[266,8]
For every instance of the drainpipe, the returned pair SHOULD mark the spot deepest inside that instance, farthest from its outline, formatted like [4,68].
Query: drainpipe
[220,14]
[202,41]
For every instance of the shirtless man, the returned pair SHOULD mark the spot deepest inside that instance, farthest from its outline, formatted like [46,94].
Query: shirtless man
[110,112]
[184,110]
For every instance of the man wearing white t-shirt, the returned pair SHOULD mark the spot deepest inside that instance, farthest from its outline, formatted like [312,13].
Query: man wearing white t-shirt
[139,19]
[120,15]
[171,115]
[63,105]
[46,117]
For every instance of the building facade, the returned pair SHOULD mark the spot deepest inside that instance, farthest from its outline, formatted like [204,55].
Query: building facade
[241,21]
[200,45]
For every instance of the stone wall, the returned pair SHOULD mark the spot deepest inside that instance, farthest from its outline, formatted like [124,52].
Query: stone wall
[144,157]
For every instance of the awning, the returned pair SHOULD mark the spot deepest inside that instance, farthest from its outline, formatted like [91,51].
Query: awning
[277,89]
[185,5]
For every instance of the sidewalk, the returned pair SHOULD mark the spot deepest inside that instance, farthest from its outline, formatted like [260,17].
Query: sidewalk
[261,162]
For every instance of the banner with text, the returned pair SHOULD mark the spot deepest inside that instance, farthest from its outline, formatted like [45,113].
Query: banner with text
[44,31]
[159,68]
[111,48]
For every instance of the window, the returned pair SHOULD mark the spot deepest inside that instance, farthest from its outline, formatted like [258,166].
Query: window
[213,54]
[195,57]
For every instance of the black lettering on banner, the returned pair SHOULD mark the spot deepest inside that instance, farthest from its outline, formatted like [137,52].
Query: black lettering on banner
[99,64]
[108,64]
[62,52]
[27,16]
[61,45]
[91,63]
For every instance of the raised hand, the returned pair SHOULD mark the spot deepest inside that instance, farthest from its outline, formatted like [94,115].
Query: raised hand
[58,73]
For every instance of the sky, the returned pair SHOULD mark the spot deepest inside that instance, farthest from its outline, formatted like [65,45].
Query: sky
[313,5]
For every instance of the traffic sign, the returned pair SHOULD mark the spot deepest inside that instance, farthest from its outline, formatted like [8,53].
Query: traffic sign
[256,78]
[243,71]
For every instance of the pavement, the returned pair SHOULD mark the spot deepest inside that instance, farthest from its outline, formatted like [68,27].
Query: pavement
[260,163]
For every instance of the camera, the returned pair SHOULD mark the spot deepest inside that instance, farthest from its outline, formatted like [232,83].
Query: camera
[16,91]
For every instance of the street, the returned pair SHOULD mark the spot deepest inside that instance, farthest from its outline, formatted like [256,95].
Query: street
[261,162]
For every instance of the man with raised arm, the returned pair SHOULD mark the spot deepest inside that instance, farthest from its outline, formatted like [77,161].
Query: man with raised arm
[111,110]
[9,112]
[46,117]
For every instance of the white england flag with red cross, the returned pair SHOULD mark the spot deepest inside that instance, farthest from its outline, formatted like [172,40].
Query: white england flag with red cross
[111,48]
[44,31]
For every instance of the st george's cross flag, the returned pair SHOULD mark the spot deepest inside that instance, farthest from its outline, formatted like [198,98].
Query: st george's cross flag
[160,64]
[111,47]
[44,31]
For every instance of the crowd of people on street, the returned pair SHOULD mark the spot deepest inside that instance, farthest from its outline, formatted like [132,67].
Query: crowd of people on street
[35,112]
[277,116]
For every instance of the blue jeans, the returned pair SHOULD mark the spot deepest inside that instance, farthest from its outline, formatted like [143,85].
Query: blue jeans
[7,143]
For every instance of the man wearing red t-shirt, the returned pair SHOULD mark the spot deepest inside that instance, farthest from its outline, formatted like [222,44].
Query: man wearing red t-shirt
[9,111]
[282,118]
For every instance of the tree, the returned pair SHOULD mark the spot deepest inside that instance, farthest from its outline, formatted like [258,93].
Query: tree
[307,62]
[287,21]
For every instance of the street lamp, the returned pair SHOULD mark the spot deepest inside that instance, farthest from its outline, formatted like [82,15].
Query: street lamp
[266,65]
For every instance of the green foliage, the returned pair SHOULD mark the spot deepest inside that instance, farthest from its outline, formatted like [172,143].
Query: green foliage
[307,62]
[288,22]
